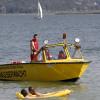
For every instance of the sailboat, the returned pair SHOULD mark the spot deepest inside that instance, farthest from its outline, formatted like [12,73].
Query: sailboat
[40,12]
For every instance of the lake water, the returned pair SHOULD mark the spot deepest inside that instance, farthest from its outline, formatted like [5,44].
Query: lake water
[16,32]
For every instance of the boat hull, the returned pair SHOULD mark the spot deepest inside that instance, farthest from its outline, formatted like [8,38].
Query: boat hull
[67,71]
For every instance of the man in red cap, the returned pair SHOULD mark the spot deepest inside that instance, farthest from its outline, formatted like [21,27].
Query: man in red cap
[34,45]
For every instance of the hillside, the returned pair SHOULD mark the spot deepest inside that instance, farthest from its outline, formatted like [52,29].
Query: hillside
[30,6]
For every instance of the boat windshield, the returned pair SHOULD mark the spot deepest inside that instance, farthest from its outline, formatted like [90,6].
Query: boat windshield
[55,53]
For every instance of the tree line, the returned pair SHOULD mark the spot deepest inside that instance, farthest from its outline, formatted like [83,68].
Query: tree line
[30,6]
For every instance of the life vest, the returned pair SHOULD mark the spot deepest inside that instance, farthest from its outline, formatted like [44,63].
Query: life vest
[36,44]
[34,48]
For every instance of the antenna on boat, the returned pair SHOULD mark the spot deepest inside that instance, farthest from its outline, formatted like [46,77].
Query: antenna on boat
[64,38]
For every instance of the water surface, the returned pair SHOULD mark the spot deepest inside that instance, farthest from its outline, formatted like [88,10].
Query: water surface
[16,32]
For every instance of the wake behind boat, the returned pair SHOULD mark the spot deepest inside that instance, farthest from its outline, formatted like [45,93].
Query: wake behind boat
[59,62]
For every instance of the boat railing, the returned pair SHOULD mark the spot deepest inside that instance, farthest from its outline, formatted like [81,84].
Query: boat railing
[51,52]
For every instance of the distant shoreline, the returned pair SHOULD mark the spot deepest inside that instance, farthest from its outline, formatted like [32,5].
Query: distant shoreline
[56,13]
[78,12]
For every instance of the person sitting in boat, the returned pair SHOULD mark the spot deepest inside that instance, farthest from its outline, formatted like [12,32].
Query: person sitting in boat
[61,55]
[77,46]
[34,45]
[48,55]
[77,43]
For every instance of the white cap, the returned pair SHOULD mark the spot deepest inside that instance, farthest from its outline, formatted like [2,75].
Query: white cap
[77,40]
[45,41]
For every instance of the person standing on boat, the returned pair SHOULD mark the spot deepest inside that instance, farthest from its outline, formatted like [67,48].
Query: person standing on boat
[34,45]
[77,46]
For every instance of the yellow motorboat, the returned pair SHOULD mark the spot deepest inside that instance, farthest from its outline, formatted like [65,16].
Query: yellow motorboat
[57,62]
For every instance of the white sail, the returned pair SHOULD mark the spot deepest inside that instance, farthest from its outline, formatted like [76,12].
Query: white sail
[40,13]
